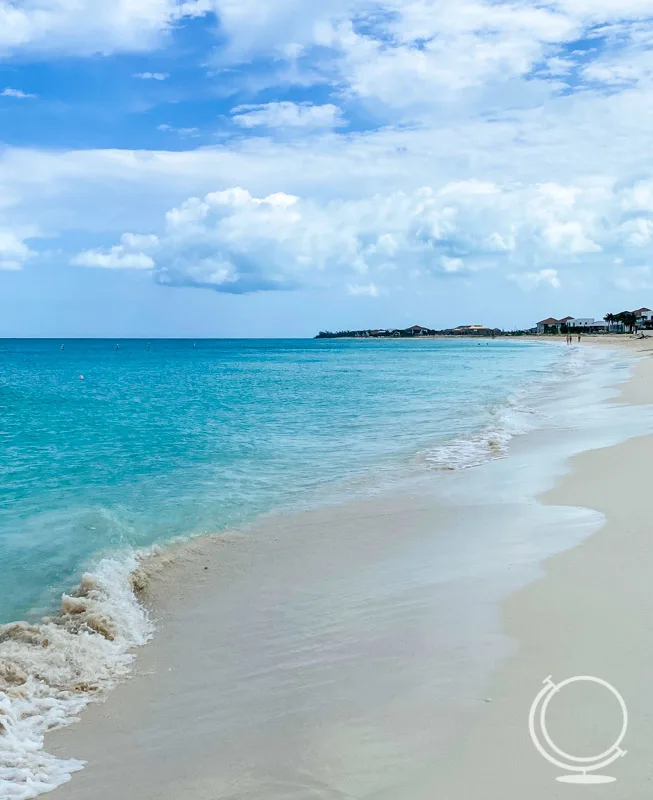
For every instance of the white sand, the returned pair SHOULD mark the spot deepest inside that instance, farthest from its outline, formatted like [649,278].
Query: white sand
[282,671]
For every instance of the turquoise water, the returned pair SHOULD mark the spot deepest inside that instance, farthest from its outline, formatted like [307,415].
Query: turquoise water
[185,437]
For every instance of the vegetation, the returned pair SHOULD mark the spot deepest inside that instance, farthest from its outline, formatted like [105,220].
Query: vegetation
[626,318]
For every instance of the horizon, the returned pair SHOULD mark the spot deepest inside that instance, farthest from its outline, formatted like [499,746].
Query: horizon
[206,170]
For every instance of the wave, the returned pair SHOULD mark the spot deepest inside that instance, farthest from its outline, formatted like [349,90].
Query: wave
[49,672]
[482,446]
[519,414]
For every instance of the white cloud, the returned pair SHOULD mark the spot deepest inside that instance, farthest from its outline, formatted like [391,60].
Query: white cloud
[304,116]
[182,132]
[86,27]
[17,93]
[151,76]
[522,178]
[13,250]
[129,254]
[532,280]
[452,264]
[235,242]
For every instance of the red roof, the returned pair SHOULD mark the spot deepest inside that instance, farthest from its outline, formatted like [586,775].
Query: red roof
[548,321]
[640,311]
[566,319]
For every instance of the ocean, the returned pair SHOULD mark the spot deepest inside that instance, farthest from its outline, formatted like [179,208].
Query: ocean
[111,448]
[187,437]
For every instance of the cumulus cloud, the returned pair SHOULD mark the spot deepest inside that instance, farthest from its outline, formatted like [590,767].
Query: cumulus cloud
[303,116]
[532,146]
[232,241]
[14,252]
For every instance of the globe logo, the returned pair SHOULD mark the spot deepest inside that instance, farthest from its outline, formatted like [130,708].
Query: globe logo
[583,769]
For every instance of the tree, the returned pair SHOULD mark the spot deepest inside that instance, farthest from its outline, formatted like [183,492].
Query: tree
[627,318]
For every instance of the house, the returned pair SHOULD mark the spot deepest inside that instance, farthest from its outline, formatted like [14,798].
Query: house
[643,318]
[417,330]
[549,325]
[587,325]
[552,325]
[475,330]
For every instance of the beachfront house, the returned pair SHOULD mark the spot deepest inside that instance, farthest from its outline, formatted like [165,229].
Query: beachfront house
[553,325]
[474,330]
[548,325]
[587,325]
[643,318]
[417,330]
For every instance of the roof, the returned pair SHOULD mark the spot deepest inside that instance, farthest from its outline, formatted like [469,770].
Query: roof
[416,328]
[566,319]
[549,321]
[640,310]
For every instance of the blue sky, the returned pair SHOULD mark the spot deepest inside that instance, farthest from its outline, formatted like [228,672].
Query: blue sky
[237,167]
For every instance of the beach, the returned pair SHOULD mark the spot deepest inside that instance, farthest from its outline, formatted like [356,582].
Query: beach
[324,659]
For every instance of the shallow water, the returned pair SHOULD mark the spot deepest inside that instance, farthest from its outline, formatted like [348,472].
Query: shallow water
[187,437]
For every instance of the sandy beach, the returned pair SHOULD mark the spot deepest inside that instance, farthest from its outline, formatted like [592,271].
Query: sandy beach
[280,671]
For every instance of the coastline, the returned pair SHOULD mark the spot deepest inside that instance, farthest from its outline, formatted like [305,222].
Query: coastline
[157,735]
[588,615]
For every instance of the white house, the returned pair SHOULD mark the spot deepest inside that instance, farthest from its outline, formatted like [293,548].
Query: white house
[584,323]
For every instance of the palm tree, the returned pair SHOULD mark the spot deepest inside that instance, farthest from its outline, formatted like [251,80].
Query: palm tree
[627,318]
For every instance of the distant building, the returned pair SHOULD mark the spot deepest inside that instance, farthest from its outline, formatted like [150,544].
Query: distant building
[475,330]
[553,325]
[417,330]
[549,325]
[587,324]
[571,324]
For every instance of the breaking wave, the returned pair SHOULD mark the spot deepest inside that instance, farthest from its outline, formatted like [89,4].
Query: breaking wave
[51,670]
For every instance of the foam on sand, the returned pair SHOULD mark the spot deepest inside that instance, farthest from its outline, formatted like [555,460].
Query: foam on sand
[50,671]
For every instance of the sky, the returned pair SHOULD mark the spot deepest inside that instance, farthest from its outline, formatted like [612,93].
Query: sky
[256,168]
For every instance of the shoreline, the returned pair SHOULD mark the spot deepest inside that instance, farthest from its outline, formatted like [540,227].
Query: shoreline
[588,614]
[186,590]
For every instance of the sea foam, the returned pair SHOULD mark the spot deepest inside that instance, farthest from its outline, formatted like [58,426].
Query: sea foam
[50,671]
